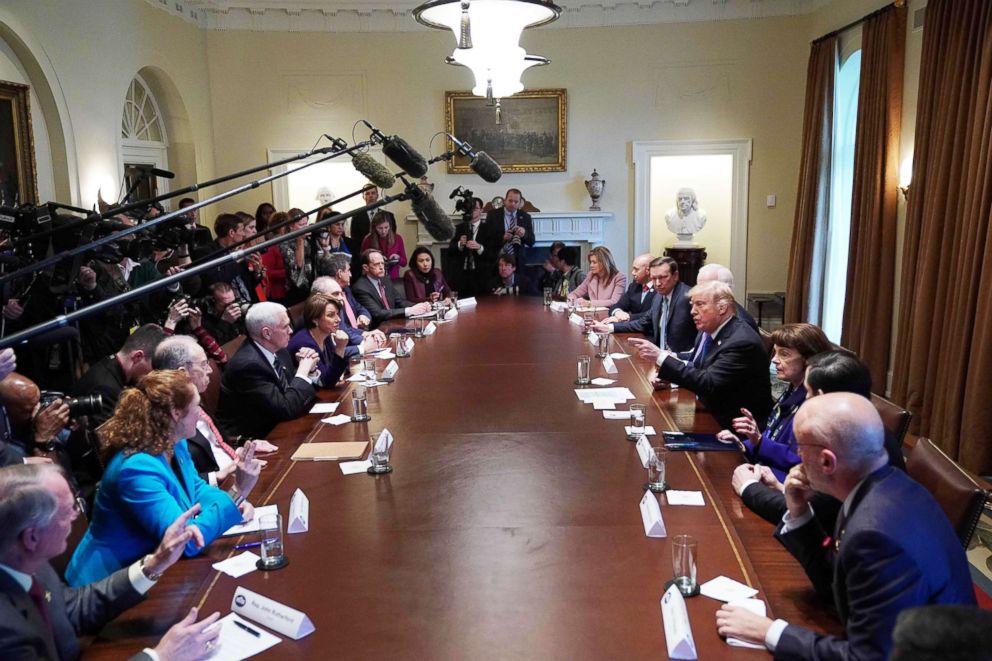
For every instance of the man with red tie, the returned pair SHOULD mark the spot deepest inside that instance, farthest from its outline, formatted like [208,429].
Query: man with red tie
[637,299]
[376,292]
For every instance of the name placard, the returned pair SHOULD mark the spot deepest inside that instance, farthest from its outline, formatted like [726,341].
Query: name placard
[675,618]
[431,327]
[593,339]
[278,617]
[451,314]
[654,525]
[391,369]
[644,450]
[609,365]
[385,441]
[576,319]
[559,306]
[299,512]
[409,345]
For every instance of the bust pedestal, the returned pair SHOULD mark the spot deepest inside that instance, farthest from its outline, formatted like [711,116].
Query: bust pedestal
[690,260]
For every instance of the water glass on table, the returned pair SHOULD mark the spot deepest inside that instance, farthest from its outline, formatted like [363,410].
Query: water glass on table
[656,470]
[638,416]
[582,365]
[684,549]
[271,543]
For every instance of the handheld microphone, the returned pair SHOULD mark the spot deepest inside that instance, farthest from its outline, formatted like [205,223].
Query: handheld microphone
[435,220]
[152,170]
[400,152]
[482,163]
[373,170]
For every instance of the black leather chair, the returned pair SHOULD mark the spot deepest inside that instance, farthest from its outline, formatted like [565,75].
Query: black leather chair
[960,496]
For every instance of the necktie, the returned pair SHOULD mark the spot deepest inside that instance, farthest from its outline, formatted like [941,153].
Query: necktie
[663,323]
[644,289]
[277,366]
[37,594]
[352,319]
[217,438]
[704,345]
[382,294]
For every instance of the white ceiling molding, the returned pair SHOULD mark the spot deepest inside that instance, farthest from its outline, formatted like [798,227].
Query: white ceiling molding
[397,16]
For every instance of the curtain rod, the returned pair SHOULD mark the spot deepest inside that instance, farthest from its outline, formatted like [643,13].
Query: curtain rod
[896,4]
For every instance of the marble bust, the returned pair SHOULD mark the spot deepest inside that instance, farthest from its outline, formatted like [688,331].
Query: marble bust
[685,218]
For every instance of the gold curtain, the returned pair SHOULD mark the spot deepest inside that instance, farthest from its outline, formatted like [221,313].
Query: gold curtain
[812,198]
[943,368]
[875,195]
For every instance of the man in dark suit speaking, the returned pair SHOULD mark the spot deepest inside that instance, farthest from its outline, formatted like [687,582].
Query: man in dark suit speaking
[893,548]
[41,617]
[728,367]
[260,387]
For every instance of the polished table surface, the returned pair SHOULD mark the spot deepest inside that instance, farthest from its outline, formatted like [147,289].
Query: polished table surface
[510,526]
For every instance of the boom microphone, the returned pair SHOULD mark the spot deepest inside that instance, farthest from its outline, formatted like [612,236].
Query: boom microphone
[435,220]
[400,152]
[482,163]
[154,171]
[373,170]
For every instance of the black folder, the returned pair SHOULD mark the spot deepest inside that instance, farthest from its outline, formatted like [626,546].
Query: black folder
[696,442]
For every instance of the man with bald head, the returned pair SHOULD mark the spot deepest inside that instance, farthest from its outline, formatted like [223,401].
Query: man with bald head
[893,548]
[637,299]
[32,428]
[720,273]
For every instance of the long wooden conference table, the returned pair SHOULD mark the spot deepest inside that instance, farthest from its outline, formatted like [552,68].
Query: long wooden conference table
[510,527]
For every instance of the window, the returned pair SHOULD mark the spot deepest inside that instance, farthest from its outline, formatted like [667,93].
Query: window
[144,142]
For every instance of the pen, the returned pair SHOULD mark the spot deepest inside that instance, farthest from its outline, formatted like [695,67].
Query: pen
[249,545]
[247,628]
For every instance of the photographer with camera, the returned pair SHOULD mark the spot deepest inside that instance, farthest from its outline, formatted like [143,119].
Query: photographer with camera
[184,318]
[223,312]
[474,247]
[37,424]
[517,225]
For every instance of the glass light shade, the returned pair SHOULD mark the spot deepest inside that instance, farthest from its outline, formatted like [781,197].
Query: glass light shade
[502,71]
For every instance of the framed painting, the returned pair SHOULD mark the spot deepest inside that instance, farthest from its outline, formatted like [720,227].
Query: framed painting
[529,134]
[18,175]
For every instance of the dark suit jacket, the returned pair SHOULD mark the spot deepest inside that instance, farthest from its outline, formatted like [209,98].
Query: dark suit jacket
[680,328]
[734,374]
[524,285]
[497,226]
[202,455]
[882,566]
[473,283]
[368,295]
[72,611]
[252,401]
[105,378]
[631,300]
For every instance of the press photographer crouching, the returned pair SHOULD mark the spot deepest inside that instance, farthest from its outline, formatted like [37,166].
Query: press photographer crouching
[223,312]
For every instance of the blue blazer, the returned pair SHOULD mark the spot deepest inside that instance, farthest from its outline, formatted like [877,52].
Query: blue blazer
[139,497]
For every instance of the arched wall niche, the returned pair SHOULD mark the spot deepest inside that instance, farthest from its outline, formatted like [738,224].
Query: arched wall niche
[181,148]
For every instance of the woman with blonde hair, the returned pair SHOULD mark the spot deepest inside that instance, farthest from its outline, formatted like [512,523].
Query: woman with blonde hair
[604,284]
[151,479]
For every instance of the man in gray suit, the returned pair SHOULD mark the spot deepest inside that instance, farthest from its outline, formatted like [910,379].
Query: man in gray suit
[40,616]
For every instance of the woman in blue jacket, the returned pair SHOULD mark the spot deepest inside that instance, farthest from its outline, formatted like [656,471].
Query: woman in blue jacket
[150,480]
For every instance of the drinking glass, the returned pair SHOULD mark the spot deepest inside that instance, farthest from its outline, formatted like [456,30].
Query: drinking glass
[656,469]
[399,346]
[684,564]
[380,460]
[270,543]
[359,405]
[369,369]
[603,348]
[547,296]
[583,369]
[638,413]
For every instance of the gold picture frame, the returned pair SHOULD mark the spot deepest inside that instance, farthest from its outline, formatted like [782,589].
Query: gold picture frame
[18,171]
[531,136]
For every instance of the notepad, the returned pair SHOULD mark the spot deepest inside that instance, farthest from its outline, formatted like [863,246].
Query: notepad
[330,451]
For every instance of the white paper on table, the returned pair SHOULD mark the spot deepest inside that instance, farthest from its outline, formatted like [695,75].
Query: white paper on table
[391,369]
[338,419]
[234,643]
[430,328]
[602,381]
[238,565]
[756,606]
[325,407]
[353,467]
[467,302]
[409,344]
[617,415]
[726,589]
[644,450]
[559,306]
[654,525]
[451,314]
[576,319]
[675,618]
[685,498]
[374,384]
[253,525]
[356,377]
[647,431]
[384,442]
[609,365]
[299,512]
[620,394]
[619,355]
[277,616]
[593,339]
[603,404]
[385,354]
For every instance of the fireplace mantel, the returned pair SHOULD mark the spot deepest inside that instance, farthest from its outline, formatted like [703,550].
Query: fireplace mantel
[572,227]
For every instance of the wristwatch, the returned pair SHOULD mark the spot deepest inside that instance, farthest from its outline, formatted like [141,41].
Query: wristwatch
[149,576]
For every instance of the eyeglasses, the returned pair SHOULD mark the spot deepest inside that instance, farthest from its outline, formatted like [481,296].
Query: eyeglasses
[800,446]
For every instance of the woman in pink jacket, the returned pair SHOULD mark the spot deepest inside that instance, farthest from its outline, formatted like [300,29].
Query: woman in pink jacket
[604,285]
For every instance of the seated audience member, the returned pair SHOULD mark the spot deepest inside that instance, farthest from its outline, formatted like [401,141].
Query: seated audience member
[321,333]
[272,261]
[33,430]
[875,564]
[41,616]
[719,273]
[388,242]
[832,371]
[571,277]
[108,376]
[637,299]
[604,285]
[359,341]
[507,281]
[668,322]
[221,313]
[551,268]
[472,252]
[298,256]
[150,480]
[728,368]
[376,292]
[423,282]
[212,455]
[942,633]
[230,230]
[258,389]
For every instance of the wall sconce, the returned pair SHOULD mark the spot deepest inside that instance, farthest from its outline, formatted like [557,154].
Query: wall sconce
[905,176]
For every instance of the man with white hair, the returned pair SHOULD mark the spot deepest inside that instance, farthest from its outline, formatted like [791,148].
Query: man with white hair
[720,273]
[259,388]
[892,547]
[728,366]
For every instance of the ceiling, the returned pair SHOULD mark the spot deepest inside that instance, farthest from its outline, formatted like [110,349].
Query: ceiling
[396,16]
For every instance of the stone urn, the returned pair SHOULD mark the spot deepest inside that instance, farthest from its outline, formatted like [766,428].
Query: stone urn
[595,186]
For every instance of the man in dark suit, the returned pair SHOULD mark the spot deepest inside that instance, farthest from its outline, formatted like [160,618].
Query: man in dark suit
[668,321]
[639,295]
[472,253]
[259,388]
[361,223]
[874,564]
[41,617]
[375,291]
[514,225]
[507,282]
[728,367]
[230,230]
